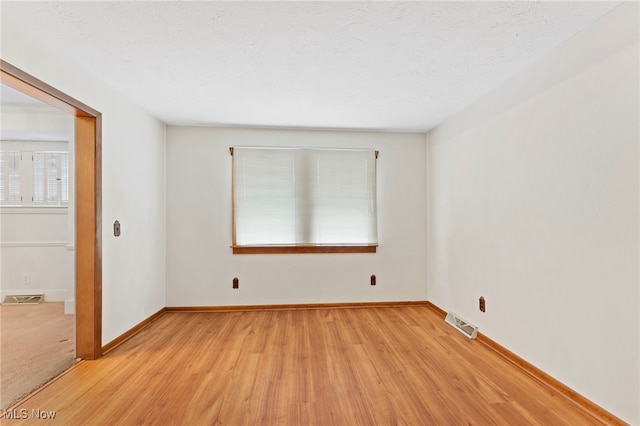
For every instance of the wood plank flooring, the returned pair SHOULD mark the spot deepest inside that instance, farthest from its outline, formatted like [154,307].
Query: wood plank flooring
[365,366]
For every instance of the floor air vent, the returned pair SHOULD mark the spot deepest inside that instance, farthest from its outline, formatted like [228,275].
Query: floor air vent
[471,331]
[27,299]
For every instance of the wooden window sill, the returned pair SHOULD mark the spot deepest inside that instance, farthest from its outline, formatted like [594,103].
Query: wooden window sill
[304,249]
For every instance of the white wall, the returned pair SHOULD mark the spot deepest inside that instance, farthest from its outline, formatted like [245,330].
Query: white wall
[49,267]
[37,241]
[201,267]
[132,181]
[533,204]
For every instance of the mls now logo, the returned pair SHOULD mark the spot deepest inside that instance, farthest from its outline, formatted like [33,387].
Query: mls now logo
[26,414]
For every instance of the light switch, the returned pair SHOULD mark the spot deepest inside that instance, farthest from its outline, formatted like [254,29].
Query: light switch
[116,228]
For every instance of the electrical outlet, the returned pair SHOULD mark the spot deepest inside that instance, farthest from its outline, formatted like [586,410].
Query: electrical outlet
[26,279]
[482,304]
[373,280]
[236,283]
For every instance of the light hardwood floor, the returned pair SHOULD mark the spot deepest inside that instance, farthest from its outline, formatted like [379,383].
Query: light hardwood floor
[366,366]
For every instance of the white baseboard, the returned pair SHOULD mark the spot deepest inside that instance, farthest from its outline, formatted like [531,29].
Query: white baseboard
[70,307]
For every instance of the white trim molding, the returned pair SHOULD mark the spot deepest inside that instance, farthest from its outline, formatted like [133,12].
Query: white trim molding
[37,244]
[34,210]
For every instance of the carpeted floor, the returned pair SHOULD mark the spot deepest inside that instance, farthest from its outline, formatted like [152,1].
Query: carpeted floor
[37,342]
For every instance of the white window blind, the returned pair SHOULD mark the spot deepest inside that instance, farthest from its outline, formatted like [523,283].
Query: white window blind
[50,178]
[295,196]
[10,178]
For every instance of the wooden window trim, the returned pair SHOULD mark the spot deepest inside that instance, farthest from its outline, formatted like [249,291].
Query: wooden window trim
[304,249]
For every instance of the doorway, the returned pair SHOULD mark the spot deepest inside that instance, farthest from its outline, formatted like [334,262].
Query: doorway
[88,172]
[36,244]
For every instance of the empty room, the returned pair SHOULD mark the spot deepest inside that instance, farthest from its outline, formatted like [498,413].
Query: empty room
[332,212]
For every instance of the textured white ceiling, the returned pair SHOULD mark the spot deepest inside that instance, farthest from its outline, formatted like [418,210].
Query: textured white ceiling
[360,65]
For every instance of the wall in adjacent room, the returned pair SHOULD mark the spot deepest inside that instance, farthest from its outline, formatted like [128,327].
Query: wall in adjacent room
[533,204]
[201,267]
[133,155]
[37,241]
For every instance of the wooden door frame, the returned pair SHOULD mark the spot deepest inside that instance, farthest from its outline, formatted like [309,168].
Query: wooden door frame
[88,220]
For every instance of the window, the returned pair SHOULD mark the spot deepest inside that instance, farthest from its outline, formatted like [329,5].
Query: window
[10,178]
[34,178]
[289,200]
[50,178]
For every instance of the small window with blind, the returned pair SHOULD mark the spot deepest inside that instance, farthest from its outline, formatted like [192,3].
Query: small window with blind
[34,178]
[299,200]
